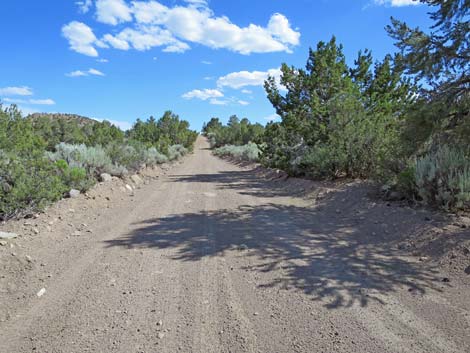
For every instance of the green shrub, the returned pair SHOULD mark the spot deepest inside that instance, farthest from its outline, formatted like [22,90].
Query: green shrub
[406,182]
[249,152]
[74,177]
[28,184]
[134,156]
[152,157]
[176,152]
[443,178]
[94,159]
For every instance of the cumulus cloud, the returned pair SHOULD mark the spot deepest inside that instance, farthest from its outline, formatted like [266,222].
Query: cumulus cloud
[145,39]
[153,24]
[89,72]
[397,3]
[16,91]
[242,102]
[113,12]
[81,38]
[84,6]
[204,94]
[242,79]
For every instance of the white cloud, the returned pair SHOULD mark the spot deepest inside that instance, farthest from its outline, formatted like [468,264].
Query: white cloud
[397,3]
[112,12]
[145,39]
[154,24]
[42,101]
[241,102]
[84,6]
[215,101]
[29,101]
[102,60]
[242,79]
[16,91]
[81,38]
[95,72]
[77,73]
[205,62]
[177,47]
[89,72]
[115,42]
[246,91]
[203,94]
[280,28]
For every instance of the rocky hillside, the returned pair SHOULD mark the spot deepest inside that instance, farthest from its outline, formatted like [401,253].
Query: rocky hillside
[81,120]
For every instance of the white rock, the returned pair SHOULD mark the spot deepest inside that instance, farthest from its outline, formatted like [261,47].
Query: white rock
[5,235]
[128,187]
[136,179]
[41,292]
[105,177]
[74,193]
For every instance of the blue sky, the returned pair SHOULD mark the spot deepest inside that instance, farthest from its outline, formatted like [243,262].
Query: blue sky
[122,60]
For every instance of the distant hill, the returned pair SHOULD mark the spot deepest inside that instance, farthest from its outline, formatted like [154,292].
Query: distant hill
[81,120]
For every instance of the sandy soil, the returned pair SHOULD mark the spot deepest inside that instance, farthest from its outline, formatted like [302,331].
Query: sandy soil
[209,256]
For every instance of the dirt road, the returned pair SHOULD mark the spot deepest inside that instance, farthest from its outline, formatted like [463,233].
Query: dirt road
[212,258]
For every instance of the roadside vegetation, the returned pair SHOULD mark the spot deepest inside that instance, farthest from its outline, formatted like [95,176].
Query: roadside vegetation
[238,139]
[403,120]
[43,158]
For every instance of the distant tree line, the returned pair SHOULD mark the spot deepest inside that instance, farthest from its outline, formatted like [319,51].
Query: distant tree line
[237,132]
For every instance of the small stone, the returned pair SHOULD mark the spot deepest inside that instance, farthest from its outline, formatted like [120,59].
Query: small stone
[5,235]
[76,234]
[28,258]
[256,313]
[160,323]
[3,243]
[160,335]
[41,292]
[74,193]
[105,177]
[136,179]
[467,270]
[129,188]
[446,280]
[36,231]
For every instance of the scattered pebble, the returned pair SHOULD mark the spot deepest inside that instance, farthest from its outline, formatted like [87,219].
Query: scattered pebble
[41,292]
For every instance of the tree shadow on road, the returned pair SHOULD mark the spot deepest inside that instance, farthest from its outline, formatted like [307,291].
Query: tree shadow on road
[248,182]
[338,261]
